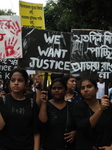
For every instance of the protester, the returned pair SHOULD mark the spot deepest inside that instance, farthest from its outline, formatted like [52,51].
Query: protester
[2,93]
[18,119]
[60,128]
[72,94]
[53,77]
[37,87]
[37,81]
[101,88]
[30,85]
[5,88]
[93,118]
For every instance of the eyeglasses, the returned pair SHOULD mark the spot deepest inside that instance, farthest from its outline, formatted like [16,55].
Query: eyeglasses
[58,88]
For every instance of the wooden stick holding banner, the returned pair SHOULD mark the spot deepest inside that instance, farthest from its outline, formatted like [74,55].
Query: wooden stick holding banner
[45,81]
[106,86]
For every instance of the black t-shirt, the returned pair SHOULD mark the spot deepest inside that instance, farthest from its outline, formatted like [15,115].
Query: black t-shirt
[21,123]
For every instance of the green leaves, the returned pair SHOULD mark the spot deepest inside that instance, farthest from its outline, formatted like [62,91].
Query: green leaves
[7,12]
[64,15]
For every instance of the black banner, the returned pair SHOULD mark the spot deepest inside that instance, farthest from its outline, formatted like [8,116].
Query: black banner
[45,50]
[91,53]
[6,66]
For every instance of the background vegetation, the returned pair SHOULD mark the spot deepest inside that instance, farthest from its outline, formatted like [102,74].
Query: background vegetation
[65,15]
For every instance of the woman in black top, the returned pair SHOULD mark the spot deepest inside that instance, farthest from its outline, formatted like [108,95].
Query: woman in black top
[60,129]
[18,118]
[93,118]
[72,94]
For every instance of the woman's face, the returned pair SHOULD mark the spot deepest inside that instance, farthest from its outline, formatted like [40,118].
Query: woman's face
[58,91]
[17,83]
[88,90]
[71,84]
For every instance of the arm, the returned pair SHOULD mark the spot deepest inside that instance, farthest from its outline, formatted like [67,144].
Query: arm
[84,121]
[38,97]
[37,142]
[95,117]
[2,123]
[38,88]
[43,108]
[106,147]
[2,113]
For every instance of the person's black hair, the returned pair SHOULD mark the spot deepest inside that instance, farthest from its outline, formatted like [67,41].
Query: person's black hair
[93,81]
[67,77]
[22,71]
[6,87]
[61,80]
[55,75]
[30,81]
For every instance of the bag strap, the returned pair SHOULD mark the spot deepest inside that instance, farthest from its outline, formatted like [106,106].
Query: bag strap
[31,99]
[4,99]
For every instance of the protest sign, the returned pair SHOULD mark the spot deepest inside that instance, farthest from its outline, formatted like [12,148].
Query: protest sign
[91,53]
[10,37]
[6,66]
[32,15]
[45,50]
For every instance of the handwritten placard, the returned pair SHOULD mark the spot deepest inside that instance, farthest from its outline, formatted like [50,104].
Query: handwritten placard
[32,15]
[45,50]
[10,37]
[91,53]
[6,66]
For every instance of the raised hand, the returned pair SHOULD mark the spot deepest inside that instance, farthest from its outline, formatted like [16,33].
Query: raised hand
[44,96]
[105,102]
[38,81]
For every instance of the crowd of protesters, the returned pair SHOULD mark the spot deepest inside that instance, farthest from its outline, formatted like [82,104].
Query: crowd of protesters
[66,115]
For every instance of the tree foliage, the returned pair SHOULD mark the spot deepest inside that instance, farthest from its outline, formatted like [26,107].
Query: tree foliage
[65,15]
[6,12]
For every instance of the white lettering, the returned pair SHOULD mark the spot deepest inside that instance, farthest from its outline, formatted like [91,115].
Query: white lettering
[53,39]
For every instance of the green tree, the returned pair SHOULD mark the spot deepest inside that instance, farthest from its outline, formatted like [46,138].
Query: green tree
[65,15]
[52,15]
[6,12]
